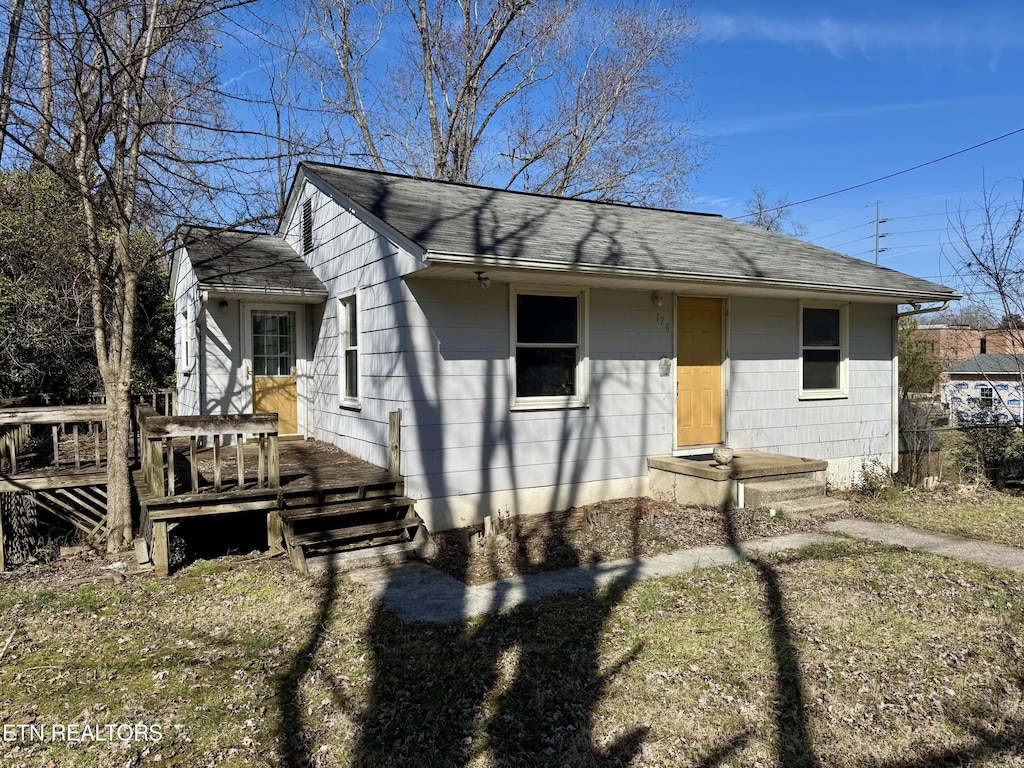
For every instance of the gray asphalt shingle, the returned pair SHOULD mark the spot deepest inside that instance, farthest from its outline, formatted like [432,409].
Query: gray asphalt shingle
[237,260]
[457,219]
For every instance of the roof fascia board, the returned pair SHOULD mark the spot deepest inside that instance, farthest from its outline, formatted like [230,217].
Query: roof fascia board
[452,259]
[218,289]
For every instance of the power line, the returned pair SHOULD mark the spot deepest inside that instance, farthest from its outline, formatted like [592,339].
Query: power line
[887,176]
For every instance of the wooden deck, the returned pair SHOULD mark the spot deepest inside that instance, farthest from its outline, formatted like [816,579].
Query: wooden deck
[314,476]
[315,498]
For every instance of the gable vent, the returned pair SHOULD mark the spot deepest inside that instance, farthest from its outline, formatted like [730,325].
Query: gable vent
[307,226]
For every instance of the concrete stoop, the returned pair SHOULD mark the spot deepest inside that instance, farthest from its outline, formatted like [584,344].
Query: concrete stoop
[754,479]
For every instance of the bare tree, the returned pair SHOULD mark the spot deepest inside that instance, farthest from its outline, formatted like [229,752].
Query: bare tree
[774,217]
[542,95]
[989,247]
[129,131]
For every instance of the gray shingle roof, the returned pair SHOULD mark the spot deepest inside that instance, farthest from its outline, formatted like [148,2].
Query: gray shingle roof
[234,260]
[1000,363]
[457,219]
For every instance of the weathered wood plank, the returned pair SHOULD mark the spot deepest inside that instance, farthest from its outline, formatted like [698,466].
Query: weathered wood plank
[291,515]
[240,460]
[193,458]
[210,510]
[50,479]
[159,548]
[187,426]
[78,453]
[56,446]
[275,533]
[261,461]
[395,443]
[170,465]
[44,415]
[352,532]
[273,462]
[216,463]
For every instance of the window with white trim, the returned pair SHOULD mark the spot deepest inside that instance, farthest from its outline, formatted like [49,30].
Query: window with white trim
[823,350]
[348,350]
[549,347]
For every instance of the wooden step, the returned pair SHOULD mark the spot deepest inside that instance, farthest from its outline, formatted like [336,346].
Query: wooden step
[342,509]
[370,557]
[350,532]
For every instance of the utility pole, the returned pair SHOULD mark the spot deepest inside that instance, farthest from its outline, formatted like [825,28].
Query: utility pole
[878,234]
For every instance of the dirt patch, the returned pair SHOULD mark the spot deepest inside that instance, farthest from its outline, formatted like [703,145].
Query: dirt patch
[602,532]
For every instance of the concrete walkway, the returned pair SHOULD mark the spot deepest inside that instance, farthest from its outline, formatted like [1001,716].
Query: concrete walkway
[416,592]
[973,551]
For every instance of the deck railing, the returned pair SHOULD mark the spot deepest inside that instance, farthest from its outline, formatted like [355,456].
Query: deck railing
[156,441]
[84,450]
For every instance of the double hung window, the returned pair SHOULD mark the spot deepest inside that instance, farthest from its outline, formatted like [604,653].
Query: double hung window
[549,348]
[823,350]
[348,351]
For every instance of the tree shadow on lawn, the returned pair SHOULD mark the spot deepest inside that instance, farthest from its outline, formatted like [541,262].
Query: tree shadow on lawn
[525,684]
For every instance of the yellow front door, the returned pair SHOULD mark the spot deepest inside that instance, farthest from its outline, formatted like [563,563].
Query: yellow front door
[698,371]
[273,368]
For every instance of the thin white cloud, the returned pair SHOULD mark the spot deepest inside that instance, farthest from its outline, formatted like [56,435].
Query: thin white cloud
[763,123]
[841,37]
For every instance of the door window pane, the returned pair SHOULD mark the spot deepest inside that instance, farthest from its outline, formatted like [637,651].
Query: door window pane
[273,343]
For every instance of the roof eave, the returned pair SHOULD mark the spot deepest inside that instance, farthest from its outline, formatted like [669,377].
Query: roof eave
[472,260]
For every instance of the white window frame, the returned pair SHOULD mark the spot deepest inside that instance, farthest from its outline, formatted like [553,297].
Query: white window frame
[844,351]
[581,398]
[344,400]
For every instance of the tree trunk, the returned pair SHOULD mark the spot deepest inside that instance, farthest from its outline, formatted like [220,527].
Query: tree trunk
[7,75]
[119,495]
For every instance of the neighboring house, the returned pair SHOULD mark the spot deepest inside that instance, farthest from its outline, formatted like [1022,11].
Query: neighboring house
[540,350]
[985,389]
[952,344]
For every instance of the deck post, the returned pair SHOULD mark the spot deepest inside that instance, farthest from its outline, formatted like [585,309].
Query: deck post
[395,444]
[170,465]
[160,548]
[193,457]
[156,467]
[216,463]
[78,455]
[240,459]
[56,448]
[261,463]
[273,462]
[275,533]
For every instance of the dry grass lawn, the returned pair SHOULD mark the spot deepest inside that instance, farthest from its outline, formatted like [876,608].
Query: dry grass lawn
[844,655]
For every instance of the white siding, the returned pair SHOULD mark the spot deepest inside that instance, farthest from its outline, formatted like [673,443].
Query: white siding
[350,256]
[466,454]
[224,388]
[764,411]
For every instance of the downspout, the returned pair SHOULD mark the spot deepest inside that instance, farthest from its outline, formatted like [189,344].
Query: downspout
[894,462]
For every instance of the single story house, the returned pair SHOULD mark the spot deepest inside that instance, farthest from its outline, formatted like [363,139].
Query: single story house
[540,350]
[986,389]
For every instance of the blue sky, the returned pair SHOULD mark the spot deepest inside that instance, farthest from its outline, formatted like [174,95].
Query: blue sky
[807,98]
